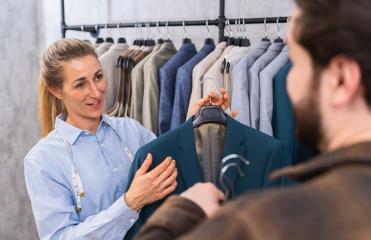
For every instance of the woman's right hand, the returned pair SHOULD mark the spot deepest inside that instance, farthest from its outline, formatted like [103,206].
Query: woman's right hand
[148,187]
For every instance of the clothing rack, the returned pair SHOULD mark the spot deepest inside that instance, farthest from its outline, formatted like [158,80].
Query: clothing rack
[220,22]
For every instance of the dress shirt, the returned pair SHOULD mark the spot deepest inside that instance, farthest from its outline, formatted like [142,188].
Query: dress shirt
[103,165]
[183,86]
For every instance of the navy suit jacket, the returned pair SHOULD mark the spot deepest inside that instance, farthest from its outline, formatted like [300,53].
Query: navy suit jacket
[167,84]
[183,86]
[264,153]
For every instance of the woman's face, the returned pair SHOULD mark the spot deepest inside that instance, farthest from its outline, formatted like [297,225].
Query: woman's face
[83,89]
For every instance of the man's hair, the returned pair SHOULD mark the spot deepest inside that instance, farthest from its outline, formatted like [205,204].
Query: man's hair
[327,28]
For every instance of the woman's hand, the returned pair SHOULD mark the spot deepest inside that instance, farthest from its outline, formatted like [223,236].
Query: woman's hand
[148,187]
[216,99]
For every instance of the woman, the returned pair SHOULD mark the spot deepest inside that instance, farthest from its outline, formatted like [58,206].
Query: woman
[76,176]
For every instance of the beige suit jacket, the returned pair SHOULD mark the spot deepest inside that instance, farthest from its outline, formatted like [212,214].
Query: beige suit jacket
[198,72]
[137,79]
[108,60]
[103,47]
[151,92]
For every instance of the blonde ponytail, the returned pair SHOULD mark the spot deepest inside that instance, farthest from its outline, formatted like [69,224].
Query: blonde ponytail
[51,75]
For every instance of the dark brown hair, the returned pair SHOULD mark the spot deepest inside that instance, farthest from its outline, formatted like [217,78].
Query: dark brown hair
[327,28]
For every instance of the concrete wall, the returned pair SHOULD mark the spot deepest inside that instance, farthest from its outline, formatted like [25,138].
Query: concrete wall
[26,29]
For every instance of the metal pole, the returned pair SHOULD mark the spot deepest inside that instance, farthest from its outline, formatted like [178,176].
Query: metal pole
[221,19]
[63,23]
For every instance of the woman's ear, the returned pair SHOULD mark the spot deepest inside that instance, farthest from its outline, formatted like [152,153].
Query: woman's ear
[56,92]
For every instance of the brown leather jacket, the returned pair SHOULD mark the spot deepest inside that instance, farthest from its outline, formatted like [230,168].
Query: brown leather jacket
[332,201]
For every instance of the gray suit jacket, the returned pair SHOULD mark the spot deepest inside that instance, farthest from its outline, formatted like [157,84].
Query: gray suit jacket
[137,81]
[266,91]
[240,94]
[103,47]
[108,60]
[254,82]
[151,91]
[198,72]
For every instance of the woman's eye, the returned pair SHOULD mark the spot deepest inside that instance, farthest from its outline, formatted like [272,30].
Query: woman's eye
[80,85]
[99,77]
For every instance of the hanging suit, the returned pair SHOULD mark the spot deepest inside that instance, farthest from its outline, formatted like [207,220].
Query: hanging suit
[137,75]
[151,92]
[199,71]
[183,86]
[167,84]
[254,82]
[240,94]
[283,121]
[266,91]
[108,60]
[264,153]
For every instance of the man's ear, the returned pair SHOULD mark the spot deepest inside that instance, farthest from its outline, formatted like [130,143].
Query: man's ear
[345,80]
[57,92]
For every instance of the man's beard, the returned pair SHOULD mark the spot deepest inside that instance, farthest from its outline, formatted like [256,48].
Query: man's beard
[308,121]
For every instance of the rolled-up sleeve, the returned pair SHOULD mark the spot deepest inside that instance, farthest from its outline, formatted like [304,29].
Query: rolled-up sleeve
[54,209]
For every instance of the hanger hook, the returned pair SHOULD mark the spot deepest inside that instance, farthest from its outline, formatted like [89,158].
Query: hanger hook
[167,29]
[207,28]
[83,28]
[203,80]
[185,31]
[244,27]
[265,27]
[235,156]
[278,26]
[96,28]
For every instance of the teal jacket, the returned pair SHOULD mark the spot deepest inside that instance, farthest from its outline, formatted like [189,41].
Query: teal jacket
[264,153]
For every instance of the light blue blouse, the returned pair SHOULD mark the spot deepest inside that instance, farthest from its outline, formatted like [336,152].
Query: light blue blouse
[103,164]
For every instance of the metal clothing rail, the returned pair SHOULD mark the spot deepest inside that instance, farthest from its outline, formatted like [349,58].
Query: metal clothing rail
[220,22]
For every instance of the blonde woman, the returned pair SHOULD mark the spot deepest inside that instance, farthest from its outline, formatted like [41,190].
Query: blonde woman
[76,175]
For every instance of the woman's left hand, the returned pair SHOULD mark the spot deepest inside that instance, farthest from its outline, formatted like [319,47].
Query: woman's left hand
[216,99]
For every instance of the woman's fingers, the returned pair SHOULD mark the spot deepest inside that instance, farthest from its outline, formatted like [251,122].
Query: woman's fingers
[170,179]
[161,167]
[168,190]
[165,174]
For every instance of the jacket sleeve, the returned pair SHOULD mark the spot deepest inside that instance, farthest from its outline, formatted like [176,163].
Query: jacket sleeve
[174,218]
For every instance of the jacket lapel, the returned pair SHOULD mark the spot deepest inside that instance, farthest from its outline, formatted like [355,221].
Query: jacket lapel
[189,166]
[234,144]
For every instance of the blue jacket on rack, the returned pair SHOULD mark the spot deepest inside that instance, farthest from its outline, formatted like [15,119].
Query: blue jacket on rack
[167,84]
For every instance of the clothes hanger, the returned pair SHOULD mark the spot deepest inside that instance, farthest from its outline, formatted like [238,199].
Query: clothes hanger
[266,39]
[120,39]
[99,39]
[278,39]
[150,42]
[209,113]
[108,39]
[231,41]
[186,39]
[160,40]
[208,40]
[168,33]
[245,42]
[230,192]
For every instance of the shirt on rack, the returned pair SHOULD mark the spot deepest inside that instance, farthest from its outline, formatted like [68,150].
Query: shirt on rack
[254,82]
[151,93]
[266,91]
[137,76]
[103,47]
[103,166]
[183,86]
[108,60]
[167,84]
[198,72]
[240,94]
